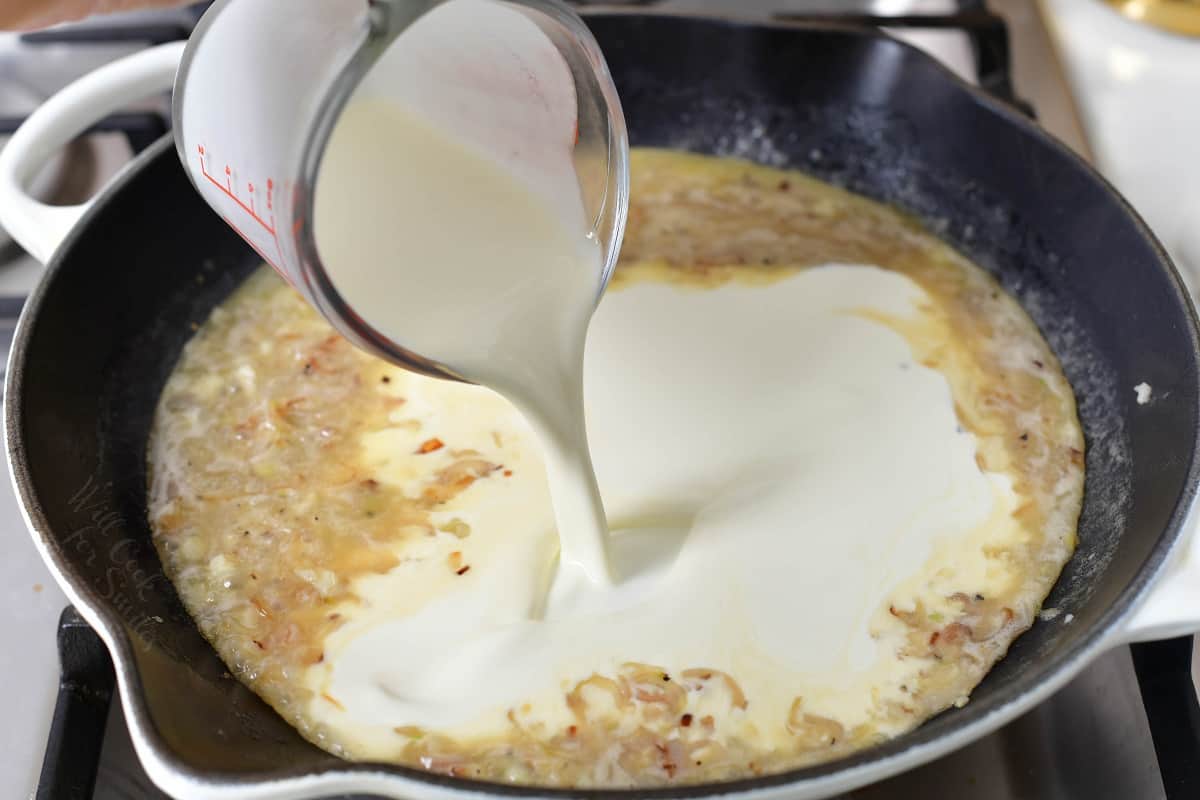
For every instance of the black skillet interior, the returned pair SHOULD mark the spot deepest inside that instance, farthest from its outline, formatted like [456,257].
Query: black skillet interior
[856,109]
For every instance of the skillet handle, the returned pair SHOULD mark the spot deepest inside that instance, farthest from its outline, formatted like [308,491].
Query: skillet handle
[85,693]
[38,227]
[1172,606]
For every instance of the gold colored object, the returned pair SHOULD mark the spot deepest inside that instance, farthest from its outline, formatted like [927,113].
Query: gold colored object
[1177,16]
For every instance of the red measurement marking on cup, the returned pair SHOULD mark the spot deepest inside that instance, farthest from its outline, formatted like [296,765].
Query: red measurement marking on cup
[268,225]
[250,242]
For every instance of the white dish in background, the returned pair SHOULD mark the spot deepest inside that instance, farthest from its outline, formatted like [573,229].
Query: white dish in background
[1138,90]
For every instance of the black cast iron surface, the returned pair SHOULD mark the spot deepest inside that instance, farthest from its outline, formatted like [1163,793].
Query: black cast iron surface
[104,329]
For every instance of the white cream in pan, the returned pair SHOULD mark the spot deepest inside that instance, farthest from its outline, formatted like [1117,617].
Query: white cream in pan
[773,468]
[838,485]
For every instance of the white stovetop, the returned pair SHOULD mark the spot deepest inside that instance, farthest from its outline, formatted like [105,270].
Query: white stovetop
[30,603]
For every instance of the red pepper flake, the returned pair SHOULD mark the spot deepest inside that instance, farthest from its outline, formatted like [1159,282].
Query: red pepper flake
[686,720]
[508,473]
[572,730]
[320,658]
[463,571]
[258,644]
[430,445]
[386,379]
[934,638]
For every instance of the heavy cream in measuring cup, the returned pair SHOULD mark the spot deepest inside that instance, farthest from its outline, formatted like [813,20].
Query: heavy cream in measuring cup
[448,215]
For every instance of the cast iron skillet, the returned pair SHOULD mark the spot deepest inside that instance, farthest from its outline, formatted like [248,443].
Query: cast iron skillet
[125,291]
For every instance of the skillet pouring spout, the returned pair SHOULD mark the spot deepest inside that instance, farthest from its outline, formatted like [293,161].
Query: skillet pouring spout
[147,261]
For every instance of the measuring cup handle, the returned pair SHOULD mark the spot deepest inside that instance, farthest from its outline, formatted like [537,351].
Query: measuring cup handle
[38,227]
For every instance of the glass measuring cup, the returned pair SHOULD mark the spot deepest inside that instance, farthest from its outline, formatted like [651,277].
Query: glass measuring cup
[263,83]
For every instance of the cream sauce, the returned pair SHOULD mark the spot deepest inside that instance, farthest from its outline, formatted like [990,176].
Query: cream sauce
[766,498]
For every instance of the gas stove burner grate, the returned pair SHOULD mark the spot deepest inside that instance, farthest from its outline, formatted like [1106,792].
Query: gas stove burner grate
[148,27]
[141,129]
[986,32]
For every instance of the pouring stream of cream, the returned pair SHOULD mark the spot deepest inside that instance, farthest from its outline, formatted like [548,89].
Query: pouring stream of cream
[449,216]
